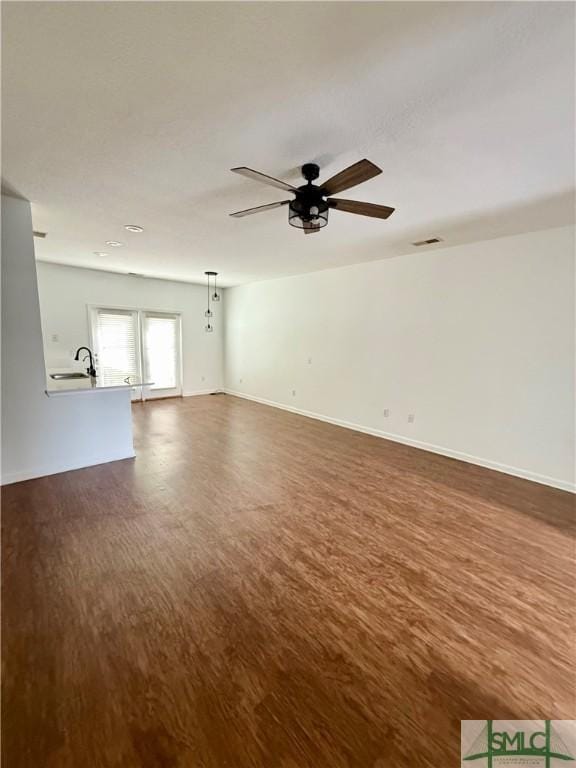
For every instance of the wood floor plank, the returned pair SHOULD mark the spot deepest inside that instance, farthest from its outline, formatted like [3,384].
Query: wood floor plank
[261,590]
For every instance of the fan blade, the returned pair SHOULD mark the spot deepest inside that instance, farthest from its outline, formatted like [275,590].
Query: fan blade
[350,177]
[364,209]
[257,176]
[250,211]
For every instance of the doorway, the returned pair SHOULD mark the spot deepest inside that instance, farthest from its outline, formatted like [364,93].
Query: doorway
[138,345]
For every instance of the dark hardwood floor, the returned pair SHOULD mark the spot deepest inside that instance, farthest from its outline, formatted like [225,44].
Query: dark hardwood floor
[260,589]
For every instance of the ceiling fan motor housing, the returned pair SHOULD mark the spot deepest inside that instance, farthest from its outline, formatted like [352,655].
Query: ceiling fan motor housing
[308,208]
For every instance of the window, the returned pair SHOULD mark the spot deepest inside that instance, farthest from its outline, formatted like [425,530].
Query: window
[161,340]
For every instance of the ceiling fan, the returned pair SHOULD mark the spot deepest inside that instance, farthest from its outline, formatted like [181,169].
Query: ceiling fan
[309,208]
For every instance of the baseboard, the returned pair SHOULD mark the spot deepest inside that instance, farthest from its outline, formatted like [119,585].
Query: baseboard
[56,469]
[441,450]
[196,392]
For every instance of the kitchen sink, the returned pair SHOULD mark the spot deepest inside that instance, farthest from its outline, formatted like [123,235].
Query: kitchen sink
[70,375]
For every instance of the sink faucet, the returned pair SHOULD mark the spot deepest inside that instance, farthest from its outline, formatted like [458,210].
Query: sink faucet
[91,371]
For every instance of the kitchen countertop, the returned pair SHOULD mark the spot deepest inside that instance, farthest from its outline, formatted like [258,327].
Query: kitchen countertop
[58,387]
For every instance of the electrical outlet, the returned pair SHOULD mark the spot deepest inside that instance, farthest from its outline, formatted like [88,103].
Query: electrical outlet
[203,378]
[241,380]
[411,418]
[55,338]
[386,412]
[309,361]
[293,393]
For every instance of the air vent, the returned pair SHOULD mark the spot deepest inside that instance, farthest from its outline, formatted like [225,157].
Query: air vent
[430,241]
[39,234]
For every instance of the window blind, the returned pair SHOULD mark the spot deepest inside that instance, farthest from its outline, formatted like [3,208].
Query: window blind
[117,344]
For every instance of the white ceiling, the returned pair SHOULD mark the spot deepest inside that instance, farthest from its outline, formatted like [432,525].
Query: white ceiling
[133,113]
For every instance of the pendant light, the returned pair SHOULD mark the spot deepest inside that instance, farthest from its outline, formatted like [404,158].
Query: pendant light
[215,295]
[209,328]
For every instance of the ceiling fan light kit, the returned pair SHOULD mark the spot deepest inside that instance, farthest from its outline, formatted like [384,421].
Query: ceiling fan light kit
[309,208]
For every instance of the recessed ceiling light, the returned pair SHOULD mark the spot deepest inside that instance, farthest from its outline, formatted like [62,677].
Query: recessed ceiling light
[100,253]
[133,228]
[114,243]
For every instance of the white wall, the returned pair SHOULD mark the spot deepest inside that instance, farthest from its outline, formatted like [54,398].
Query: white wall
[65,293]
[42,435]
[476,341]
